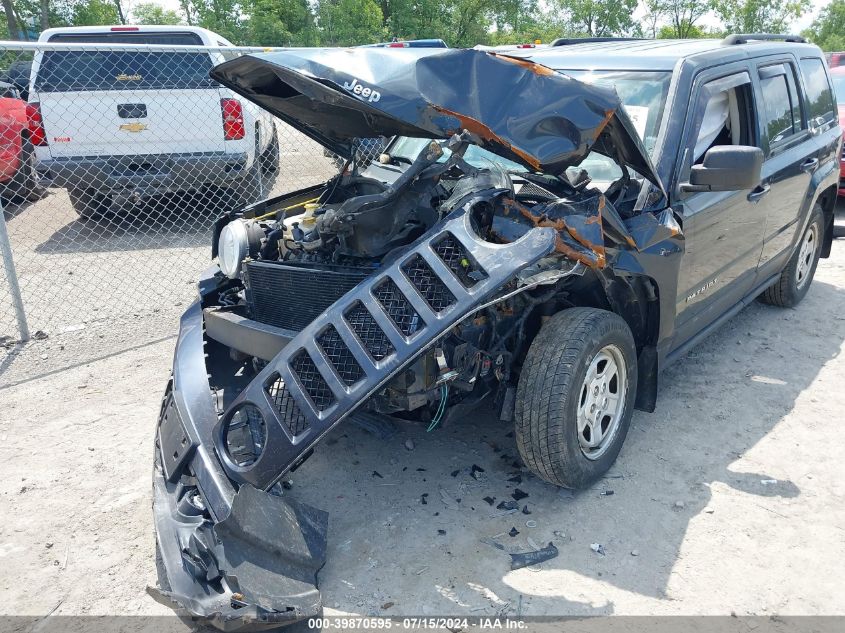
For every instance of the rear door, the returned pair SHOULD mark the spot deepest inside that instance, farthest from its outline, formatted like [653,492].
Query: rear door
[791,157]
[113,103]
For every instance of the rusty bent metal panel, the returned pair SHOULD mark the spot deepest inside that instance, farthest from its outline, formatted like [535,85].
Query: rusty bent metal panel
[516,108]
[583,227]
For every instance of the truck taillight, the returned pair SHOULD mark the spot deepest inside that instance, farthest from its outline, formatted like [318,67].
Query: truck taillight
[233,119]
[35,124]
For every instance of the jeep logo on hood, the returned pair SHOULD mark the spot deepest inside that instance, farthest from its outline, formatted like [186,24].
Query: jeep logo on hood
[360,89]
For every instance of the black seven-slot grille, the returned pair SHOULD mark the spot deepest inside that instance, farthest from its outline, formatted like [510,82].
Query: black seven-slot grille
[367,336]
[290,296]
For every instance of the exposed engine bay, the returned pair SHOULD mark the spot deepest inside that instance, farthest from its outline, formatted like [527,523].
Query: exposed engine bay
[359,220]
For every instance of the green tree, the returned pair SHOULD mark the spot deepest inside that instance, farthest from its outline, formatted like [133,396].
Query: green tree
[599,18]
[280,23]
[759,16]
[153,13]
[828,29]
[94,13]
[682,15]
[350,22]
[220,16]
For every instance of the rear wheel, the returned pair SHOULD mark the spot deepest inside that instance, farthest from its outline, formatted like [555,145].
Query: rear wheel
[89,203]
[28,183]
[796,277]
[25,184]
[270,157]
[576,395]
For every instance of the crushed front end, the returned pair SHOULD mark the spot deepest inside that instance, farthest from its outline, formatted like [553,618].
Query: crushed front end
[408,287]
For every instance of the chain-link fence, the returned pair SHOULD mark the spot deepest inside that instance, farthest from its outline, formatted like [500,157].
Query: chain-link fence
[115,161]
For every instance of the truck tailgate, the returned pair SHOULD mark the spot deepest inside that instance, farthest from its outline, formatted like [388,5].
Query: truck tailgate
[128,122]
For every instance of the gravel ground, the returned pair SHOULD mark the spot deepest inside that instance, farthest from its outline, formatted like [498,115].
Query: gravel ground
[97,287]
[728,499]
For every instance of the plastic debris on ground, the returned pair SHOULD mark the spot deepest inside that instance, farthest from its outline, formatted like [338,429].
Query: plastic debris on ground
[518,494]
[508,505]
[489,541]
[598,548]
[513,532]
[490,500]
[525,559]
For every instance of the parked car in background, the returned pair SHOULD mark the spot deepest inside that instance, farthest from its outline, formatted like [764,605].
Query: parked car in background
[837,78]
[834,60]
[18,74]
[127,124]
[18,176]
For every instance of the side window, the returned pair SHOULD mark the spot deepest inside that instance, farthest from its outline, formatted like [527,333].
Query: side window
[819,97]
[781,110]
[722,115]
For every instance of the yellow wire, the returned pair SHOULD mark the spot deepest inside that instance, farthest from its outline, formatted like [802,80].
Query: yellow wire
[286,209]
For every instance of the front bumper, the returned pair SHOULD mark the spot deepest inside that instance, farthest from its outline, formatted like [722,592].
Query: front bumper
[235,559]
[144,175]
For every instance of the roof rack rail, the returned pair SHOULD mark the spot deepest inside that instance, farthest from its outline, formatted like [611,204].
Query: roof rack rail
[567,41]
[745,38]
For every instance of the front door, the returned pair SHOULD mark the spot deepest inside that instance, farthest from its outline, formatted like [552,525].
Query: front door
[723,231]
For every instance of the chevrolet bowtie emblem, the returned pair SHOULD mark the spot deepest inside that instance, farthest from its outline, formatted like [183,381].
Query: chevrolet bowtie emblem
[133,127]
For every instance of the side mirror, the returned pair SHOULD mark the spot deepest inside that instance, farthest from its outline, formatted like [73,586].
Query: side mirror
[727,168]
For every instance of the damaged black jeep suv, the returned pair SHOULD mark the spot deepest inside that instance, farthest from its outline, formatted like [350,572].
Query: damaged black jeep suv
[543,232]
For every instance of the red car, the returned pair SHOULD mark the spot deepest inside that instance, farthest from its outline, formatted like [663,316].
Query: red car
[837,76]
[18,177]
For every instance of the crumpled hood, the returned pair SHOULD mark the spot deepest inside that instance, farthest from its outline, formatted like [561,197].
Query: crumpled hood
[518,109]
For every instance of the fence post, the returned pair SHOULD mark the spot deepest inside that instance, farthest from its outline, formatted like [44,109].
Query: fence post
[12,277]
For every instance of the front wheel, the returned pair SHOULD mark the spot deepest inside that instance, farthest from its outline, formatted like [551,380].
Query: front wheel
[796,277]
[575,396]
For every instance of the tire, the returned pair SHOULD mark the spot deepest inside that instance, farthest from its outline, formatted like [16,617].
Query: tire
[89,203]
[571,352]
[797,275]
[28,185]
[271,155]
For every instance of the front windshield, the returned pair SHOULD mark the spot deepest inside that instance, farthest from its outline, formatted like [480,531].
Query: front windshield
[409,148]
[643,95]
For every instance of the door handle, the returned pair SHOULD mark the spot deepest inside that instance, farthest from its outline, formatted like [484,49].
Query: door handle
[809,164]
[757,194]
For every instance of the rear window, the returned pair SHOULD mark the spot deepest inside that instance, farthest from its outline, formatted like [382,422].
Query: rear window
[67,71]
[819,95]
[128,37]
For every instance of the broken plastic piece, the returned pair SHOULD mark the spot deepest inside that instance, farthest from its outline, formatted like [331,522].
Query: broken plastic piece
[513,532]
[598,548]
[508,505]
[525,559]
[490,500]
[518,494]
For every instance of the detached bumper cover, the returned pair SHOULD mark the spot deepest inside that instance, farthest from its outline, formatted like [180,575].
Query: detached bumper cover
[236,560]
[240,558]
[257,568]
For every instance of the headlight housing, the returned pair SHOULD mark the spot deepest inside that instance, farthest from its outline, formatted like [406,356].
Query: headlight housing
[238,239]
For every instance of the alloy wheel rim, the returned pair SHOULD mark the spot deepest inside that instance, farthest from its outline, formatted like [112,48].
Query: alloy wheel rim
[806,255]
[601,401]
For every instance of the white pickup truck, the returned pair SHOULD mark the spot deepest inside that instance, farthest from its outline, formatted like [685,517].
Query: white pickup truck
[130,123]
